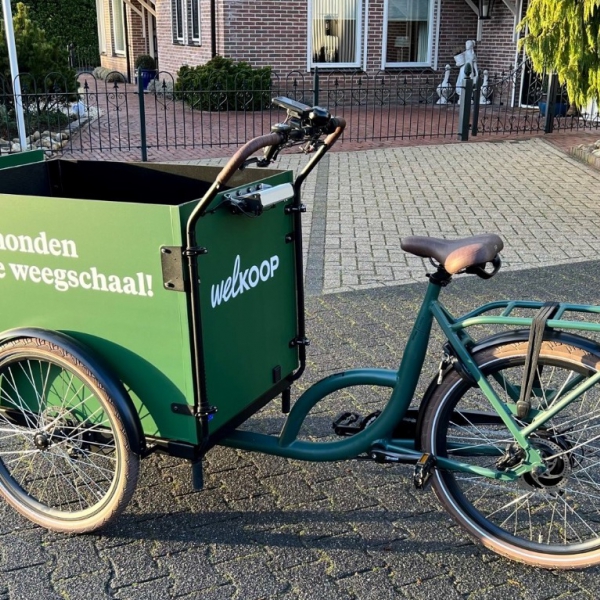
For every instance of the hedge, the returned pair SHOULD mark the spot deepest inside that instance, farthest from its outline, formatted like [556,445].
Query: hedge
[223,84]
[66,21]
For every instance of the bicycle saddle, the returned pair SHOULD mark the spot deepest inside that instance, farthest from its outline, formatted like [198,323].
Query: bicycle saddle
[455,255]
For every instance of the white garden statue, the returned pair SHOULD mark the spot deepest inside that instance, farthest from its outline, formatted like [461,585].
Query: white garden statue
[486,89]
[467,57]
[445,89]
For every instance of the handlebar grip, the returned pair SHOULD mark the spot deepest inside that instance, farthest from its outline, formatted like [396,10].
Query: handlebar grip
[340,125]
[247,150]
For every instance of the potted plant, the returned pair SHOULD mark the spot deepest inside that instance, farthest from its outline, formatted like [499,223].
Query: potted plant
[145,66]
[560,106]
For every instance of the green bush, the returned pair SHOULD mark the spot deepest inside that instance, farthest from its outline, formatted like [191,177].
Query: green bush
[45,63]
[66,21]
[46,119]
[223,84]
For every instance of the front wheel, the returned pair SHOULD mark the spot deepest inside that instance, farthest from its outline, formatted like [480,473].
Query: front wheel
[65,460]
[551,519]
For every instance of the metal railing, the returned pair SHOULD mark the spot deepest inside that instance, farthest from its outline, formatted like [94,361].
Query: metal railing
[82,59]
[112,115]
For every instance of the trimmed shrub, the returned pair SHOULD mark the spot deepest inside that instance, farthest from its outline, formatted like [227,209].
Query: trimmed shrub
[223,84]
[145,62]
[66,21]
[44,62]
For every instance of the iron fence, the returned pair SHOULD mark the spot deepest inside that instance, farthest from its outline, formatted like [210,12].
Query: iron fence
[113,115]
[84,58]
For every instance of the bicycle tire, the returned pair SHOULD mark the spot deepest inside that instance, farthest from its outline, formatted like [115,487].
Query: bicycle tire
[551,520]
[65,459]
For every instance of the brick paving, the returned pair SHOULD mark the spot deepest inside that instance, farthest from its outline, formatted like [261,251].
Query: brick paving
[510,188]
[275,529]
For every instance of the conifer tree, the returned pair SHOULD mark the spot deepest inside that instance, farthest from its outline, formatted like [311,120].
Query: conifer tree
[564,36]
[45,62]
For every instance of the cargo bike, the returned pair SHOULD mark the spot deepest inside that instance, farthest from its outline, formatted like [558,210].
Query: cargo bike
[138,318]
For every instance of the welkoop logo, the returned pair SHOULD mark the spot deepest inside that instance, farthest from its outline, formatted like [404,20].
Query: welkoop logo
[242,281]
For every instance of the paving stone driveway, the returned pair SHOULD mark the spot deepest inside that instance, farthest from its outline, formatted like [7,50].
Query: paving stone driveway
[268,528]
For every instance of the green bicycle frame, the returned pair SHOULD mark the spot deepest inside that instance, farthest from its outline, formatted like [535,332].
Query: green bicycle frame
[403,383]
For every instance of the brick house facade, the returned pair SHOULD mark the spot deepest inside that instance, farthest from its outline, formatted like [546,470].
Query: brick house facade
[125,31]
[338,36]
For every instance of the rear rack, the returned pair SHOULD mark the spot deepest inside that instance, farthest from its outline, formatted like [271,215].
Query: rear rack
[508,306]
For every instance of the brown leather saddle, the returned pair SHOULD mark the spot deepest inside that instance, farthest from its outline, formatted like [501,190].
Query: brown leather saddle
[455,255]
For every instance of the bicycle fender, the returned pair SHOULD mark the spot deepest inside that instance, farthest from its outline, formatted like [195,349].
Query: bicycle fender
[500,339]
[522,335]
[112,384]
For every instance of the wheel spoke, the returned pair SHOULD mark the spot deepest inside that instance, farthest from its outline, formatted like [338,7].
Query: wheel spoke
[538,512]
[64,461]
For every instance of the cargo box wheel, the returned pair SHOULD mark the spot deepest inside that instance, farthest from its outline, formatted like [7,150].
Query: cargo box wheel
[65,460]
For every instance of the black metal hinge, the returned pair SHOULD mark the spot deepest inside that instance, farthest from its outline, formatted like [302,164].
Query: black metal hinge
[293,209]
[195,251]
[183,409]
[187,410]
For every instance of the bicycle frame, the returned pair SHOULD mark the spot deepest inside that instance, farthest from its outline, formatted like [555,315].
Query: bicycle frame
[403,383]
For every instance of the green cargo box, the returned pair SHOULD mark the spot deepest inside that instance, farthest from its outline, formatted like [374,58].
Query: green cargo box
[92,249]
[21,158]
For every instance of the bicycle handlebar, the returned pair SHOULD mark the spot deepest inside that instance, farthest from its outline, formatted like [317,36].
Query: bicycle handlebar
[247,150]
[274,140]
[340,125]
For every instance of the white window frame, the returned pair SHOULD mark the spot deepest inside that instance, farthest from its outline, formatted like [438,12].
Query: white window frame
[195,40]
[428,63]
[358,44]
[118,5]
[101,33]
[178,5]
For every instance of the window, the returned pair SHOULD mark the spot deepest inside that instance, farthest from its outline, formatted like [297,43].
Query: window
[118,26]
[408,27]
[100,17]
[335,32]
[185,17]
[178,12]
[196,21]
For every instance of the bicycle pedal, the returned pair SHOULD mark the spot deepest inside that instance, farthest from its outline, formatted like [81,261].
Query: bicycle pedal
[346,424]
[424,471]
[351,423]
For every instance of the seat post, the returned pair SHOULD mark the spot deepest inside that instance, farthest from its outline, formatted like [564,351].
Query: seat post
[441,277]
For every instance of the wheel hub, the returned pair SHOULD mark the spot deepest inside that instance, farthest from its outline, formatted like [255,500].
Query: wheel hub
[41,441]
[558,467]
[63,432]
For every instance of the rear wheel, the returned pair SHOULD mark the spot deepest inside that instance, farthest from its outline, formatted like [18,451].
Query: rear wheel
[65,460]
[551,519]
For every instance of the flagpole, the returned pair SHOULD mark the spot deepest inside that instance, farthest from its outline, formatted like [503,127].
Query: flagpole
[14,71]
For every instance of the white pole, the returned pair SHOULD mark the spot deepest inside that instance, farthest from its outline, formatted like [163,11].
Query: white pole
[14,70]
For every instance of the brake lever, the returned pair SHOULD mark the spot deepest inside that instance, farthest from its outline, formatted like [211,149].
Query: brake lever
[311,145]
[249,161]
